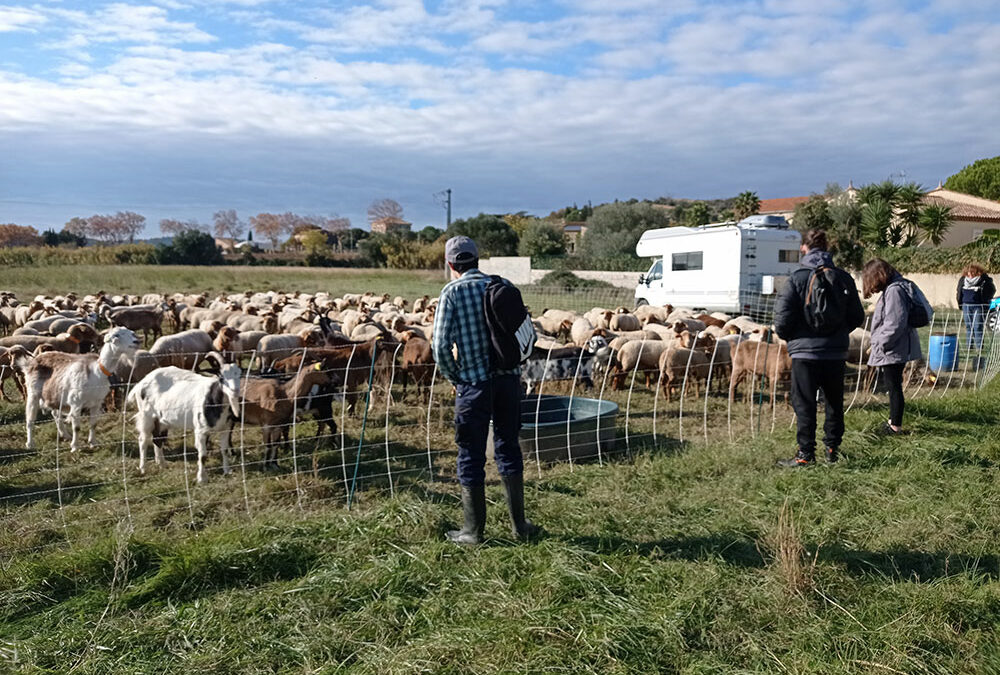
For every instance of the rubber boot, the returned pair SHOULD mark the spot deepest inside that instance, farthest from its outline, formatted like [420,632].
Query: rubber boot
[520,527]
[801,459]
[474,514]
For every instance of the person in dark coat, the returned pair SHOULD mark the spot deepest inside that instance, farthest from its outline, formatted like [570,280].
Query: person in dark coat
[974,293]
[893,341]
[818,361]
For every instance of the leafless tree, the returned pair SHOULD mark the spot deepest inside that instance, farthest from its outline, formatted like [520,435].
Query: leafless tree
[172,226]
[228,225]
[270,226]
[384,208]
[127,224]
[78,226]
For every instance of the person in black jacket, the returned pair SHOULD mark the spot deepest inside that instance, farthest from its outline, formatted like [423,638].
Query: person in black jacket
[817,359]
[975,291]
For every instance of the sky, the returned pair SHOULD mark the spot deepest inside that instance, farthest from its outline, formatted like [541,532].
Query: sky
[180,108]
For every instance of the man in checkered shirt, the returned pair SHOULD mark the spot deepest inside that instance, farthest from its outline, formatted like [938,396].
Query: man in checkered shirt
[463,352]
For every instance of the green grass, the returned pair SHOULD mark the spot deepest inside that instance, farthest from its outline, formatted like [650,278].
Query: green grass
[664,561]
[669,557]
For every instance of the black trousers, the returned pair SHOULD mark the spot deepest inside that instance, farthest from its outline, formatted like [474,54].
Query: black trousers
[893,375]
[808,378]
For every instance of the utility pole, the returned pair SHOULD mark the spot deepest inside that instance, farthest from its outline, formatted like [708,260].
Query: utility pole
[444,199]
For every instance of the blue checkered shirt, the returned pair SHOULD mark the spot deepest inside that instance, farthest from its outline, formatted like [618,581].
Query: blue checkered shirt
[460,322]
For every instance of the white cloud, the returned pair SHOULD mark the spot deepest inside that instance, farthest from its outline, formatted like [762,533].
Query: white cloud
[123,23]
[19,18]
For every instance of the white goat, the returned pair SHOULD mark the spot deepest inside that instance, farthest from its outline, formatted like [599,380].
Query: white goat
[72,383]
[172,398]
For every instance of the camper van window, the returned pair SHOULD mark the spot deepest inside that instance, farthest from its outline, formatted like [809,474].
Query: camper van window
[655,272]
[788,256]
[686,261]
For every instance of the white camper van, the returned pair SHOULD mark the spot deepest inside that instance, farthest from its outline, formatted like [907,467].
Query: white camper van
[728,267]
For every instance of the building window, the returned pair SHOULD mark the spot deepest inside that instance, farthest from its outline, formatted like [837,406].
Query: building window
[788,256]
[681,262]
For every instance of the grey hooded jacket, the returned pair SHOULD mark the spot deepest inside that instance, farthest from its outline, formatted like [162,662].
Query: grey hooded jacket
[893,341]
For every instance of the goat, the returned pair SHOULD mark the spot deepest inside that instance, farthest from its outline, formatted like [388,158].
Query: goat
[72,383]
[172,398]
[417,360]
[565,364]
[271,405]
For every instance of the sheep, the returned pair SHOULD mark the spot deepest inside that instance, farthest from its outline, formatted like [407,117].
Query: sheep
[560,315]
[709,320]
[136,319]
[758,359]
[228,344]
[641,355]
[651,313]
[271,405]
[580,331]
[175,399]
[558,328]
[420,304]
[623,320]
[7,358]
[272,348]
[73,383]
[183,350]
[367,331]
[691,363]
[73,341]
[743,324]
[860,346]
[246,322]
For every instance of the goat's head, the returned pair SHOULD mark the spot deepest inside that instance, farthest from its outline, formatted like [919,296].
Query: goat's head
[229,376]
[120,345]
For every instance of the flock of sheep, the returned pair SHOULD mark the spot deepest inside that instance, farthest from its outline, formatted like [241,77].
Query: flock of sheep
[266,358]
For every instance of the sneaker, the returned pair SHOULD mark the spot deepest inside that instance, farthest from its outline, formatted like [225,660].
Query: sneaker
[801,459]
[832,455]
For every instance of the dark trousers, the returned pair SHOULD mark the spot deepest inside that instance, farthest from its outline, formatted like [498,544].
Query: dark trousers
[808,378]
[498,399]
[893,375]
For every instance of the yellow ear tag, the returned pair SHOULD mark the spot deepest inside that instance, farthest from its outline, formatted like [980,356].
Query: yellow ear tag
[318,366]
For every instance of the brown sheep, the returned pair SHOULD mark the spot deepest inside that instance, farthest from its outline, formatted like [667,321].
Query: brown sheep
[758,359]
[623,320]
[691,364]
[73,341]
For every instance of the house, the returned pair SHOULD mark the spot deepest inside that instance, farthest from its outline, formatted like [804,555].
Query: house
[572,231]
[782,206]
[970,215]
[390,224]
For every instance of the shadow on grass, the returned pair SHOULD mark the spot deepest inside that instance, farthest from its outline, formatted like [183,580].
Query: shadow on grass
[46,491]
[732,547]
[914,566]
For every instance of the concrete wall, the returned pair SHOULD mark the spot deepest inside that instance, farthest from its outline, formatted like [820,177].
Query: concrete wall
[939,288]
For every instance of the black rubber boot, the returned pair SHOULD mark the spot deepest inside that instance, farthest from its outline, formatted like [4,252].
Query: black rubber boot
[520,527]
[474,514]
[832,455]
[801,459]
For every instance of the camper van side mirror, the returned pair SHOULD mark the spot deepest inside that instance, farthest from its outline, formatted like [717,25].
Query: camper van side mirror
[642,279]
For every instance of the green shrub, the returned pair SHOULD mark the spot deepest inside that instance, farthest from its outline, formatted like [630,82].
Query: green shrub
[566,279]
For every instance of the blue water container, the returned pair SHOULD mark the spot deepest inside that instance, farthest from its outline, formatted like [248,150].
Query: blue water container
[942,352]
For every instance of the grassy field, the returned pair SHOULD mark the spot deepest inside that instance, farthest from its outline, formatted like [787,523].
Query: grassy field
[673,558]
[683,552]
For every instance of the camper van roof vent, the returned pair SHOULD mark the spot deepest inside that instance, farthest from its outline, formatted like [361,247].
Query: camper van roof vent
[760,221]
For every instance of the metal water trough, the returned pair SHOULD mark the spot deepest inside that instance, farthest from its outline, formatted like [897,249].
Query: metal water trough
[567,429]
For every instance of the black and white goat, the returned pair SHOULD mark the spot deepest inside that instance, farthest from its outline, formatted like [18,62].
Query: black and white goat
[566,363]
[73,383]
[172,398]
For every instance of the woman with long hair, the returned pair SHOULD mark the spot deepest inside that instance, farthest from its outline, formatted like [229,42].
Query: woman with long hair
[974,293]
[893,341]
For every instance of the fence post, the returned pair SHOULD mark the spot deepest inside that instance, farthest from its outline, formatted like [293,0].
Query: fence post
[343,424]
[388,398]
[430,400]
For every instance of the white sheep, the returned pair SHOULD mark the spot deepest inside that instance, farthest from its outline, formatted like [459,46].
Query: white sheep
[175,399]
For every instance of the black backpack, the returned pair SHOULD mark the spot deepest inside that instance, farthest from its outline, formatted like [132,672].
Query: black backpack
[512,334]
[826,300]
[920,312]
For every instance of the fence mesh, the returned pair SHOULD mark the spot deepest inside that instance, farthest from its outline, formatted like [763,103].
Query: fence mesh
[390,428]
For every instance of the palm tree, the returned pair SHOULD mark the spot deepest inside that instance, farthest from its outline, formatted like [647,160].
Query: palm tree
[746,204]
[935,221]
[876,221]
[908,204]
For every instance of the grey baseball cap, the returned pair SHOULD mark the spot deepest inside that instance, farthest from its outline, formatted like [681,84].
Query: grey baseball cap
[460,249]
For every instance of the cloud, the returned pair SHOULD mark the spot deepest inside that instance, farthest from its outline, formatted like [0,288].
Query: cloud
[123,23]
[19,18]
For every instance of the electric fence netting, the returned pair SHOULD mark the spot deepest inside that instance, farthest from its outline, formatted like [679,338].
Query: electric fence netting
[355,424]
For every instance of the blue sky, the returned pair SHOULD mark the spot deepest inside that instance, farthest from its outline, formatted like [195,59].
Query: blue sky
[178,108]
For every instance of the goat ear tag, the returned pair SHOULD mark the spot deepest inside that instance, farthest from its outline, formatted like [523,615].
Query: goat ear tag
[318,366]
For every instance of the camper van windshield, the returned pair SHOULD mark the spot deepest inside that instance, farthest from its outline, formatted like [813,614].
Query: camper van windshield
[686,261]
[656,271]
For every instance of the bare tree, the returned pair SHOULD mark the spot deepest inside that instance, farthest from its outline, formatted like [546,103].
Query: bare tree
[228,225]
[101,227]
[128,224]
[78,226]
[270,226]
[384,208]
[172,226]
